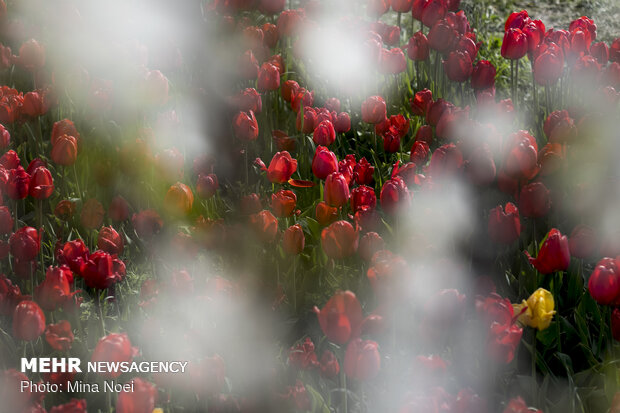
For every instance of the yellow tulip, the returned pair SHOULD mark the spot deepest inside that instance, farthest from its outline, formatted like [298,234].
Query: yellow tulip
[537,311]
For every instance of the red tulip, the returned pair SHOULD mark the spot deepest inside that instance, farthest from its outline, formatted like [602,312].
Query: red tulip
[515,44]
[554,254]
[548,67]
[64,127]
[18,184]
[534,200]
[41,183]
[341,317]
[329,365]
[458,66]
[141,398]
[206,185]
[522,159]
[265,226]
[250,204]
[289,89]
[73,406]
[64,150]
[5,137]
[25,244]
[336,190]
[600,52]
[483,75]
[31,55]
[517,405]
[363,196]
[604,282]
[374,110]
[245,126]
[339,240]
[433,11]
[73,254]
[59,336]
[417,48]
[28,321]
[559,127]
[302,98]
[325,214]
[324,133]
[436,110]
[55,290]
[442,36]
[391,62]
[268,77]
[118,210]
[248,99]
[110,241]
[504,224]
[281,167]
[6,221]
[283,203]
[503,341]
[363,172]
[293,240]
[114,347]
[614,51]
[324,162]
[101,270]
[394,196]
[10,160]
[421,102]
[362,360]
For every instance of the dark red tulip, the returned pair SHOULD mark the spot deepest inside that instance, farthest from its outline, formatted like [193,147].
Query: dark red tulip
[101,270]
[421,102]
[341,317]
[270,35]
[65,209]
[458,66]
[515,44]
[64,127]
[293,240]
[535,32]
[483,75]
[6,220]
[302,98]
[442,36]
[329,365]
[336,190]
[417,48]
[392,62]
[324,134]
[251,204]
[419,152]
[281,167]
[25,244]
[245,126]
[377,8]
[614,51]
[18,184]
[362,360]
[332,104]
[363,196]
[560,127]
[73,406]
[445,161]
[342,123]
[339,240]
[73,254]
[119,209]
[265,226]
[522,159]
[554,254]
[289,89]
[5,137]
[534,200]
[114,347]
[548,68]
[503,341]
[401,6]
[394,196]
[268,77]
[302,356]
[283,203]
[504,224]
[41,183]
[436,110]
[28,321]
[582,242]
[604,282]
[110,241]
[206,185]
[433,11]
[248,99]
[55,290]
[374,110]
[59,336]
[363,172]
[369,244]
[324,162]
[248,66]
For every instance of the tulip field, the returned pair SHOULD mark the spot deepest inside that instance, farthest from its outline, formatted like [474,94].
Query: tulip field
[404,206]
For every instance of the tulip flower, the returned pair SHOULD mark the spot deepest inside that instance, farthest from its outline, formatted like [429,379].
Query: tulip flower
[442,36]
[41,183]
[458,66]
[537,311]
[179,199]
[114,347]
[73,254]
[339,240]
[503,341]
[534,200]
[268,77]
[515,44]
[101,270]
[417,48]
[293,240]
[289,89]
[363,195]
[328,365]
[324,134]
[604,282]
[283,203]
[341,317]
[363,172]
[245,126]
[325,214]
[92,214]
[110,241]
[548,67]
[141,398]
[582,242]
[206,185]
[504,225]
[392,61]
[518,405]
[25,244]
[336,190]
[265,225]
[64,150]
[394,195]
[324,162]
[28,321]
[362,360]
[6,221]
[554,254]
[483,75]
[18,184]
[369,244]
[55,290]
[281,167]
[374,110]
[59,336]
[64,127]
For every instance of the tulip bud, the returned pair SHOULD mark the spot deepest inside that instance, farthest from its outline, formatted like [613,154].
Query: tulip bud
[41,183]
[64,151]
[339,240]
[55,290]
[28,321]
[18,184]
[324,133]
[110,241]
[483,75]
[268,77]
[324,162]
[417,48]
[604,282]
[336,190]
[59,336]
[515,44]
[458,66]
[341,317]
[293,240]
[179,199]
[554,254]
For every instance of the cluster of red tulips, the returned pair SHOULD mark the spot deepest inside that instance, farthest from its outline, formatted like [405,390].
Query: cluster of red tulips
[310,213]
